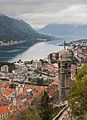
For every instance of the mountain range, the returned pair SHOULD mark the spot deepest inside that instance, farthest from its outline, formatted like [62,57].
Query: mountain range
[16,37]
[13,29]
[64,30]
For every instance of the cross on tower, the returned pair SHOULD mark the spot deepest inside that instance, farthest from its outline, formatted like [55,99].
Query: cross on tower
[64,45]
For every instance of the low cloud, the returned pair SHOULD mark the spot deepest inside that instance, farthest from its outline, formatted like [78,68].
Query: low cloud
[76,14]
[39,13]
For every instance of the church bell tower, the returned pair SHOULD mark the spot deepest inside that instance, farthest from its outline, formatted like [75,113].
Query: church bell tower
[64,65]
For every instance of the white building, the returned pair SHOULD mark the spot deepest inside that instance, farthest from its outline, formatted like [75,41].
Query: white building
[5,68]
[37,64]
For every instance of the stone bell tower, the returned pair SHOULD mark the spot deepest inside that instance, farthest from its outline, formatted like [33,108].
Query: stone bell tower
[64,65]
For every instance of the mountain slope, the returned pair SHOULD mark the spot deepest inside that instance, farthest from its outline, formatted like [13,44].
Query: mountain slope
[64,30]
[13,29]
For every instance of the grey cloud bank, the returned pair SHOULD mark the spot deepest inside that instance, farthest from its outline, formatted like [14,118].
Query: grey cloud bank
[41,12]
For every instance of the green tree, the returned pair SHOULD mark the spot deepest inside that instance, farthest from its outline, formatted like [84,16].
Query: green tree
[78,95]
[81,72]
[12,86]
[33,114]
[37,71]
[39,81]
[46,108]
[27,113]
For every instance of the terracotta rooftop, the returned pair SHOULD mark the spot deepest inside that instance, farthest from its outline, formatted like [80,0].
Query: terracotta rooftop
[8,92]
[5,85]
[4,109]
[52,89]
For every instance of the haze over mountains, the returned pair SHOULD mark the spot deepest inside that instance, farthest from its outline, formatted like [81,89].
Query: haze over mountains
[64,30]
[13,29]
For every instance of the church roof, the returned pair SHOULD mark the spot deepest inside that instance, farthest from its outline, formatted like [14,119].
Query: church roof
[64,55]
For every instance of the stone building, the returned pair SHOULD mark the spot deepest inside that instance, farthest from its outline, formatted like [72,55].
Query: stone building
[64,74]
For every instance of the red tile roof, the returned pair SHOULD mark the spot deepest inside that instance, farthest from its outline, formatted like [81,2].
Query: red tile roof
[8,92]
[4,109]
[52,89]
[5,85]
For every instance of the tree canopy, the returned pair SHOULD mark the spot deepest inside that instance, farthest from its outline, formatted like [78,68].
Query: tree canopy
[27,113]
[46,108]
[81,72]
[40,110]
[78,95]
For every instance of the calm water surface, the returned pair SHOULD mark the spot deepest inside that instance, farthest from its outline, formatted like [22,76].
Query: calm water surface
[37,51]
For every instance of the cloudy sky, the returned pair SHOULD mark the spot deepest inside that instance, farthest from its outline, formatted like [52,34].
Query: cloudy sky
[42,12]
